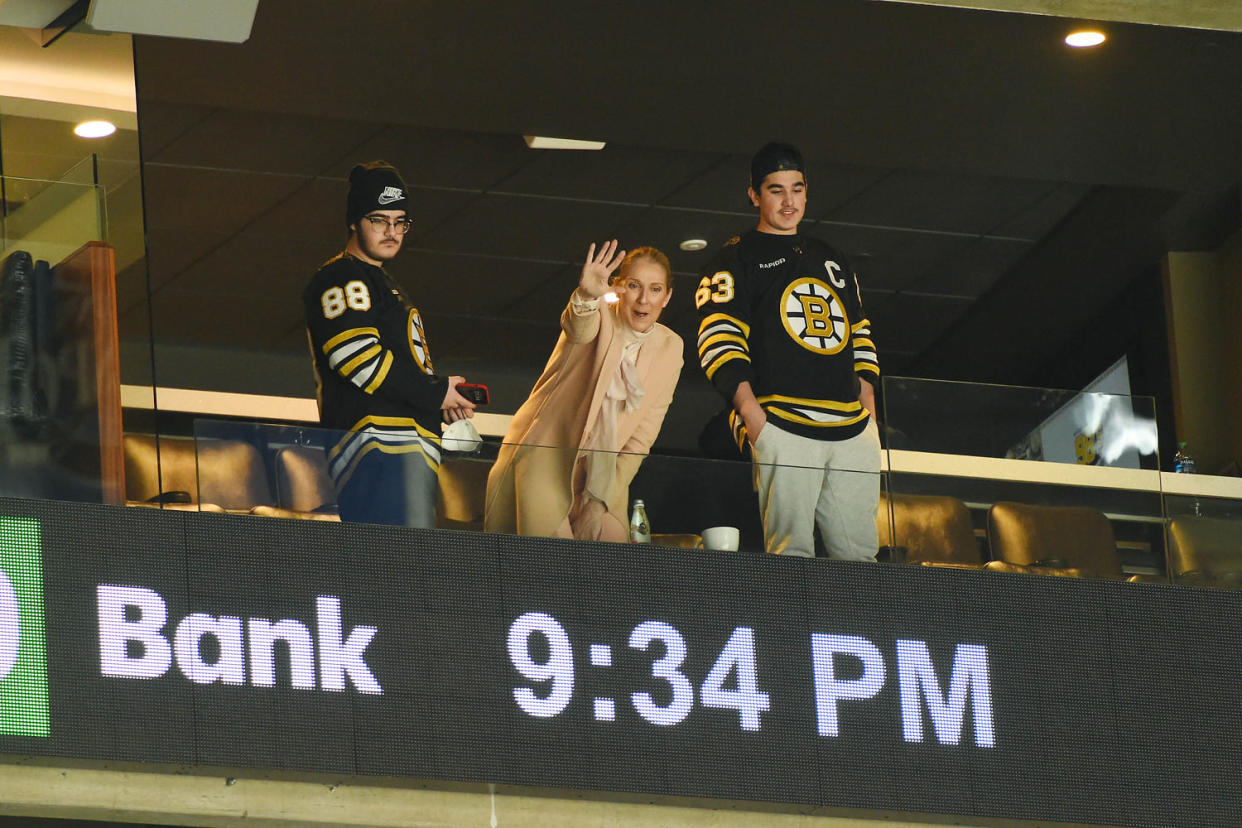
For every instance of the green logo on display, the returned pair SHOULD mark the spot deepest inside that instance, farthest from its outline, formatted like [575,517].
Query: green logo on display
[23,648]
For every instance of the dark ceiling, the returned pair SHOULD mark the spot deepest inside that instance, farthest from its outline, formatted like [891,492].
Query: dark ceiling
[975,168]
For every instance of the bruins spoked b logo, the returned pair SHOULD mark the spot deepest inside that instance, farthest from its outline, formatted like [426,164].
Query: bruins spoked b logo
[814,316]
[418,342]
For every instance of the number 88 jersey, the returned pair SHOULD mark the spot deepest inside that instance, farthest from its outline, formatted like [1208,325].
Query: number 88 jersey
[372,363]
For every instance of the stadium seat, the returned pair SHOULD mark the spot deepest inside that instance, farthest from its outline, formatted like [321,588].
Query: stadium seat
[208,476]
[1069,541]
[1206,551]
[463,492]
[929,530]
[303,487]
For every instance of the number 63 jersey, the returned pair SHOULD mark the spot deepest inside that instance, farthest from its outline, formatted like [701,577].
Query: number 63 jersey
[784,313]
[373,370]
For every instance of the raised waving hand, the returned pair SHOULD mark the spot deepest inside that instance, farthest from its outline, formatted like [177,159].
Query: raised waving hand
[598,269]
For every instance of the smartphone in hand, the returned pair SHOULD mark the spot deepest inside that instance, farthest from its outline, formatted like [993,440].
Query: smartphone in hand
[475,392]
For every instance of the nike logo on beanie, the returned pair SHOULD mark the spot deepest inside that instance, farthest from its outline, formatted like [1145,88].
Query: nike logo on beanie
[390,194]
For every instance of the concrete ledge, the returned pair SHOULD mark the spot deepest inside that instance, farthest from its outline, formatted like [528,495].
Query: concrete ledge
[258,407]
[1022,471]
[195,796]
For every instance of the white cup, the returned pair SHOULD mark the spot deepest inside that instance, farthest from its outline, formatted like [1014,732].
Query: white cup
[724,538]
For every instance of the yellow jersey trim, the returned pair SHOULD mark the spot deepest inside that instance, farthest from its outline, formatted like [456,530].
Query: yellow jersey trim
[722,337]
[830,405]
[869,367]
[390,422]
[724,317]
[387,449]
[722,360]
[347,335]
[394,422]
[380,375]
[369,353]
[807,421]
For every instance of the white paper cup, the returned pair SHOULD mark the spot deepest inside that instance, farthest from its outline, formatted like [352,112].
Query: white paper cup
[724,538]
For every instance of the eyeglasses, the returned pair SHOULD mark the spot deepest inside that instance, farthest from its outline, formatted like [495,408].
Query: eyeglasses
[399,226]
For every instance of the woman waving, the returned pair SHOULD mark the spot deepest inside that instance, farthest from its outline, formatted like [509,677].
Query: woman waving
[574,446]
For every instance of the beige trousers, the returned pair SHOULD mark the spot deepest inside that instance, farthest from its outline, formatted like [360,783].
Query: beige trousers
[832,484]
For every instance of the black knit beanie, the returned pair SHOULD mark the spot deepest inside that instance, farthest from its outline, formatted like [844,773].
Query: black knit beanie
[374,186]
[774,157]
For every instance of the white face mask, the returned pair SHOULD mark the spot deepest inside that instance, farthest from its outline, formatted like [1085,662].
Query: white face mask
[461,437]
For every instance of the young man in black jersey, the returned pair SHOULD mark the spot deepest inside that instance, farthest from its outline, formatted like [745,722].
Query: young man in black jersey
[783,337]
[373,368]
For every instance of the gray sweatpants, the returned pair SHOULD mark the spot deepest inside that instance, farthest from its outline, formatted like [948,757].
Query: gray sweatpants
[834,484]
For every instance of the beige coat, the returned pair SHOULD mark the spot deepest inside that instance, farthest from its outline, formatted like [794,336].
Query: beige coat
[529,489]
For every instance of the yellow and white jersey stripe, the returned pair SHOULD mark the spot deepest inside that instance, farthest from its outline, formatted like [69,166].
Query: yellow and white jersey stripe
[722,338]
[865,359]
[390,435]
[357,355]
[813,413]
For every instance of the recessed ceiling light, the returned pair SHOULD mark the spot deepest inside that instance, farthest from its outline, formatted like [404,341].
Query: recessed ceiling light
[691,245]
[544,142]
[94,129]
[1084,38]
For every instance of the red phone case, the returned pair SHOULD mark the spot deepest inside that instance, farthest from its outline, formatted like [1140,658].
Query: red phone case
[474,392]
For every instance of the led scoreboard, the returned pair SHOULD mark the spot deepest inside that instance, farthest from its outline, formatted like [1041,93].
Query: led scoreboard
[738,660]
[214,640]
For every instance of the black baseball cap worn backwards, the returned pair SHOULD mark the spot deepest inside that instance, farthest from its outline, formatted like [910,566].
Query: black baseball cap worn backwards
[774,157]
[374,186]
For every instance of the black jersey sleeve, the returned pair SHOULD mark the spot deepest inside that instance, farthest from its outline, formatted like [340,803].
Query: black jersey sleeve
[866,361]
[724,305]
[369,339]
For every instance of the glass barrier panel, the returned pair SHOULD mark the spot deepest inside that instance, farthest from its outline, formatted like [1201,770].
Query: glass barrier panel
[973,513]
[1071,525]
[1029,480]
[289,471]
[987,514]
[59,394]
[965,512]
[1204,534]
[49,220]
[1087,428]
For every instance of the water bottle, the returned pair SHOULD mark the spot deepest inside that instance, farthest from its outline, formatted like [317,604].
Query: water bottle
[1183,463]
[640,529]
